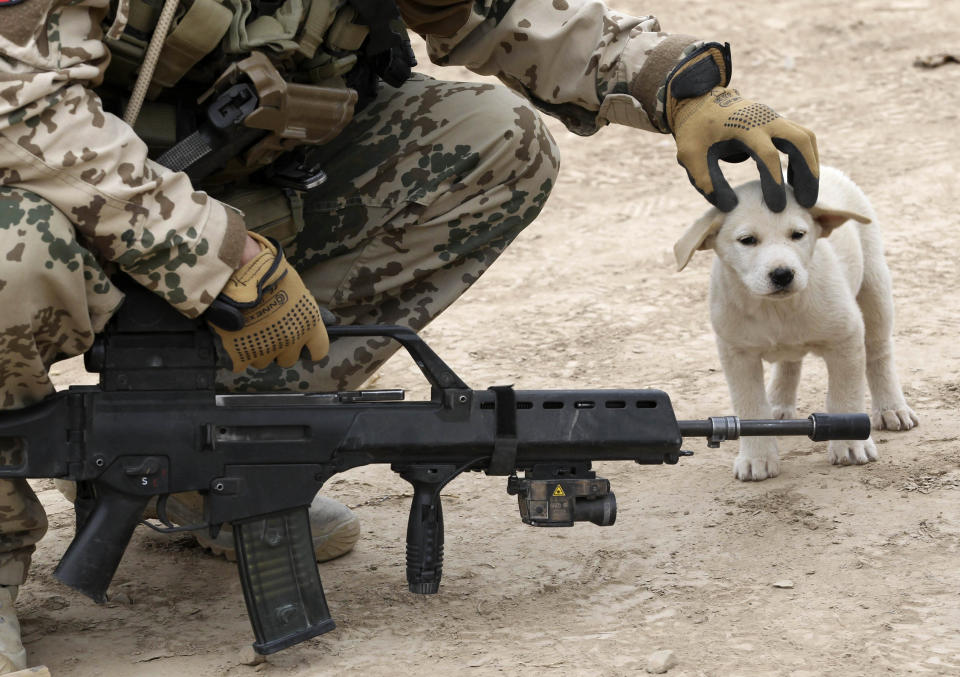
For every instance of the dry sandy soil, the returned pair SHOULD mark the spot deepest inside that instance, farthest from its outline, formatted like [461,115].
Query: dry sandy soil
[588,297]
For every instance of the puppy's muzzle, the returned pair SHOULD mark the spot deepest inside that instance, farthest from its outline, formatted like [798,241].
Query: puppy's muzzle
[781,277]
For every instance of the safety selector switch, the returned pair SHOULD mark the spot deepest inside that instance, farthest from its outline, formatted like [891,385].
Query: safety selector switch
[558,495]
[144,474]
[147,465]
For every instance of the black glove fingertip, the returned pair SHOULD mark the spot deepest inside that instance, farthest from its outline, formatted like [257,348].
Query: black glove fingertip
[774,192]
[806,186]
[774,196]
[724,199]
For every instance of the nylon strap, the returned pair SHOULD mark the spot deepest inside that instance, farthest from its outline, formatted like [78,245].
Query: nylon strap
[344,35]
[504,458]
[198,33]
[272,31]
[319,18]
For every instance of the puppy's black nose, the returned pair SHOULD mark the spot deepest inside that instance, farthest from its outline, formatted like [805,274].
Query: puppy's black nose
[782,277]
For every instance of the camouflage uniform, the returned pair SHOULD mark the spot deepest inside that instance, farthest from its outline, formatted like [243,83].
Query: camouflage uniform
[428,185]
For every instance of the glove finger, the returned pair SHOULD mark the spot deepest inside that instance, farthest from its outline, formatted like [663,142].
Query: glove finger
[695,162]
[804,170]
[289,355]
[731,150]
[703,171]
[260,363]
[771,172]
[318,344]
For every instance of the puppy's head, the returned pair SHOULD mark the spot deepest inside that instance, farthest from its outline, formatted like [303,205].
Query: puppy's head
[769,252]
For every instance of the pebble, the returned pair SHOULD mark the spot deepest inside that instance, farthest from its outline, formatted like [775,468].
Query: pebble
[248,656]
[783,584]
[661,661]
[121,598]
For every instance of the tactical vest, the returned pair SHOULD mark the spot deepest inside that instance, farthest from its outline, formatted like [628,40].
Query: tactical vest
[243,87]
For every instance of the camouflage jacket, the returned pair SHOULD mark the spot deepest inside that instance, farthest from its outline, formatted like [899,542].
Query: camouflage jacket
[575,59]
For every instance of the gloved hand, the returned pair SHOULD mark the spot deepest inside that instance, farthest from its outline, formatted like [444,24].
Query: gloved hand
[711,122]
[265,312]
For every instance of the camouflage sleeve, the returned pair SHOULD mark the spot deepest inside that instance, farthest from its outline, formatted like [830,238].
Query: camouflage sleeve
[577,60]
[56,141]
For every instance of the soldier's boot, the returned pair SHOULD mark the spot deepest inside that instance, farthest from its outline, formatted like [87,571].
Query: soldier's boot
[334,527]
[12,654]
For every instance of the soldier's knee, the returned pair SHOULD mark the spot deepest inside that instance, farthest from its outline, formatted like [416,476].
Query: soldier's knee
[520,167]
[523,138]
[26,217]
[53,296]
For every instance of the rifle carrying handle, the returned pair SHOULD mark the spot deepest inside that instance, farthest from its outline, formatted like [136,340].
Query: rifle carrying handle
[93,556]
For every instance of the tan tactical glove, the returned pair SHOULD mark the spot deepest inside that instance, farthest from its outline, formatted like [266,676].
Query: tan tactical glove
[265,312]
[711,123]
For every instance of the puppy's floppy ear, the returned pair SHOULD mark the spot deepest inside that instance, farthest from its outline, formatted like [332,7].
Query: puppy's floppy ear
[830,219]
[839,201]
[698,236]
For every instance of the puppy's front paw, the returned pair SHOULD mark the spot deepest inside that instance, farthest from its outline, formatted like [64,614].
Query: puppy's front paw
[784,412]
[899,418]
[757,464]
[852,452]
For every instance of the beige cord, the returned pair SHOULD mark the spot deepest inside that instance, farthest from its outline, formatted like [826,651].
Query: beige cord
[150,62]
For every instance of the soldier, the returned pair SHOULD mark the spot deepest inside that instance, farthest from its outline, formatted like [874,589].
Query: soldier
[386,193]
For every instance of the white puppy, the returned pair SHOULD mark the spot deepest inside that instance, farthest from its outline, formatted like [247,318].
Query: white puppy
[780,289]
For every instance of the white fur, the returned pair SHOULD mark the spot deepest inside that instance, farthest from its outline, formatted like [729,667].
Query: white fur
[833,299]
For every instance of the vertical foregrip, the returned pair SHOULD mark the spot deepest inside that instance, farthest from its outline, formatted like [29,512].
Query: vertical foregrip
[90,562]
[425,526]
[425,541]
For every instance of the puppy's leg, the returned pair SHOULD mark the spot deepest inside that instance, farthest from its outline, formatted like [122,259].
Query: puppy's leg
[758,458]
[889,409]
[845,395]
[783,389]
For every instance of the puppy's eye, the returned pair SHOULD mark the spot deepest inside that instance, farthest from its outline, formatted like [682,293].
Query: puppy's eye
[797,235]
[747,240]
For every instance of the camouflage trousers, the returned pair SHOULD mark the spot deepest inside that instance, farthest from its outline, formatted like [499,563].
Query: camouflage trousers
[426,187]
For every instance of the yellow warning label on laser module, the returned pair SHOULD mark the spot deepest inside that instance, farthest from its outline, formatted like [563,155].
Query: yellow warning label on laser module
[558,491]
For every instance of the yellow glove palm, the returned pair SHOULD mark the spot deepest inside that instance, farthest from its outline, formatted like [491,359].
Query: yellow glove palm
[265,313]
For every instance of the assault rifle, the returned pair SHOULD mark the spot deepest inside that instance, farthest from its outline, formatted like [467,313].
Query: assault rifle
[155,425]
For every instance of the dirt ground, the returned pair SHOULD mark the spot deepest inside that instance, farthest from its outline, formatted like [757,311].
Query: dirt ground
[588,297]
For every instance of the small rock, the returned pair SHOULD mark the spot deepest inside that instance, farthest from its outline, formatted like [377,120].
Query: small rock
[120,598]
[783,584]
[661,661]
[248,656]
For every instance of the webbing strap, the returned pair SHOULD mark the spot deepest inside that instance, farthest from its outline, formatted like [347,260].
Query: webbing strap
[276,32]
[344,35]
[198,33]
[319,18]
[504,458]
[277,29]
